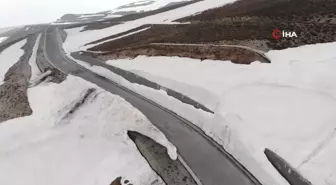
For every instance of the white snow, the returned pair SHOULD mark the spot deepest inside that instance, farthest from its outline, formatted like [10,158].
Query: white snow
[91,15]
[89,147]
[287,106]
[112,16]
[63,23]
[75,41]
[35,71]
[2,39]
[144,8]
[9,57]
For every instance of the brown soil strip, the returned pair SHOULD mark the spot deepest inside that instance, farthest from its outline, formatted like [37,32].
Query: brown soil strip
[236,55]
[118,35]
[13,98]
[13,93]
[285,10]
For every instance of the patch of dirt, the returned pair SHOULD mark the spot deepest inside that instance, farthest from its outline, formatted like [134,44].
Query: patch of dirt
[285,10]
[313,20]
[118,35]
[120,181]
[117,181]
[13,98]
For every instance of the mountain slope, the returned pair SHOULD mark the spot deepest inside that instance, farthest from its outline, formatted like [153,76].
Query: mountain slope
[131,8]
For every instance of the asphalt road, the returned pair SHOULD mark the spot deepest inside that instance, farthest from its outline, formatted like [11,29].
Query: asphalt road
[211,164]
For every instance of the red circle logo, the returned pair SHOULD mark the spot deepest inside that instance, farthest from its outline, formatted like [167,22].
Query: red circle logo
[276,34]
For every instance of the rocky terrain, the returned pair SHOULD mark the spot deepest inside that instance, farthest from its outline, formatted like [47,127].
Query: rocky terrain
[246,23]
[13,93]
[236,55]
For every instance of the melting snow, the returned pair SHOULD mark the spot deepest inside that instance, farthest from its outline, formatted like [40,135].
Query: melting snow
[287,106]
[9,57]
[2,39]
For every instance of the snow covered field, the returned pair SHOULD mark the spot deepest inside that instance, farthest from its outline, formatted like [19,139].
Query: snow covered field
[144,6]
[87,147]
[76,39]
[287,106]
[9,57]
[4,30]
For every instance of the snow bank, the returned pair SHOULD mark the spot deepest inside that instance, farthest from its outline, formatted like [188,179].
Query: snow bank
[2,39]
[91,15]
[75,41]
[286,106]
[89,147]
[293,122]
[145,6]
[35,71]
[9,57]
[195,92]
[213,126]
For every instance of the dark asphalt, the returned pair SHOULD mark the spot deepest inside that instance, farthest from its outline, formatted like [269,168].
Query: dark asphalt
[211,164]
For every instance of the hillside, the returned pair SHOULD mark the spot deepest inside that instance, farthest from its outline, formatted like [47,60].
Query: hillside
[128,9]
[175,92]
[245,22]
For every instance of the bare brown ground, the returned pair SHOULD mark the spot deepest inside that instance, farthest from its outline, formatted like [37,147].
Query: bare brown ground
[13,98]
[245,22]
[236,55]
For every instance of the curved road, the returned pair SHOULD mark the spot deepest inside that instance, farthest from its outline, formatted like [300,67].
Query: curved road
[207,160]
